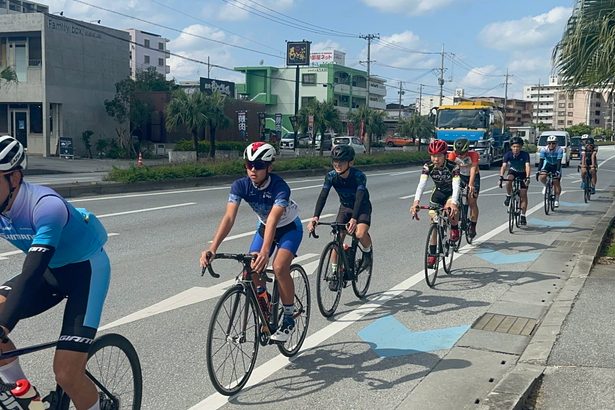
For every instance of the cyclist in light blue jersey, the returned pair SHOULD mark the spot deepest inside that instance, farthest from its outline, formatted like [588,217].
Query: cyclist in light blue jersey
[65,259]
[551,161]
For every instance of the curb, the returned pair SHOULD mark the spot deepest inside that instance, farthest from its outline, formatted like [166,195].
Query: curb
[107,188]
[514,388]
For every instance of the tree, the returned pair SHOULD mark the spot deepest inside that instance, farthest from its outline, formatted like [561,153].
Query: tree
[373,123]
[417,127]
[188,111]
[215,118]
[579,129]
[152,80]
[584,55]
[326,118]
[9,75]
[119,108]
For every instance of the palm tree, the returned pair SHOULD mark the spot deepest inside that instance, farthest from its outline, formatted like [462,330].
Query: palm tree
[215,118]
[189,111]
[326,118]
[417,127]
[584,55]
[373,123]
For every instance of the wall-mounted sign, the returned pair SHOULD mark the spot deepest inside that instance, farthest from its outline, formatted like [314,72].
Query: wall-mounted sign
[298,53]
[209,86]
[327,57]
[242,124]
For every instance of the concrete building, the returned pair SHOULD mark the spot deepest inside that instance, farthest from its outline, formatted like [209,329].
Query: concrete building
[580,107]
[18,6]
[275,87]
[65,69]
[518,112]
[150,50]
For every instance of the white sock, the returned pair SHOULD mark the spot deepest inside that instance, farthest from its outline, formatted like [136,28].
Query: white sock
[12,372]
[96,406]
[364,249]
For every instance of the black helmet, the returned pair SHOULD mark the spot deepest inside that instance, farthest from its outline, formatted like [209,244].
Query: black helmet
[461,145]
[516,140]
[342,153]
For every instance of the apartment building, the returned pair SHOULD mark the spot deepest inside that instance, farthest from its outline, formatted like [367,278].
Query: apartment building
[148,50]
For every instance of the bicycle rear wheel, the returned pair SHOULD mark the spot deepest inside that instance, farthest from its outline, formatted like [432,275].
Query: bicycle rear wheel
[431,273]
[113,365]
[547,199]
[363,277]
[329,283]
[232,341]
[448,250]
[301,314]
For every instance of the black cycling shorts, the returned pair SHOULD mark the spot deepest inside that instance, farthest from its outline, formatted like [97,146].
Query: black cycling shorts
[465,179]
[439,198]
[519,175]
[553,170]
[365,214]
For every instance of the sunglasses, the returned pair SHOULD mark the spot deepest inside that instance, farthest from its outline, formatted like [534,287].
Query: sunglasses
[257,165]
[552,143]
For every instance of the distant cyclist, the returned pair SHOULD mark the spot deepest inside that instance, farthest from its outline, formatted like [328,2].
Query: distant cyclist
[551,161]
[269,196]
[355,207]
[65,261]
[589,161]
[467,160]
[517,162]
[445,175]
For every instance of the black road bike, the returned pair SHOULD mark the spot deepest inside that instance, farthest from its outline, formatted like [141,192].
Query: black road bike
[464,217]
[587,184]
[549,196]
[445,250]
[238,324]
[340,264]
[113,366]
[514,207]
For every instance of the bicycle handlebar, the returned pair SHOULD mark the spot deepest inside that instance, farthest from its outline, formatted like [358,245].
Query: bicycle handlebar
[244,258]
[332,224]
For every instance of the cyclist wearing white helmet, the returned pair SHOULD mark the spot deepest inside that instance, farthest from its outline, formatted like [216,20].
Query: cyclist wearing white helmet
[551,161]
[279,226]
[65,260]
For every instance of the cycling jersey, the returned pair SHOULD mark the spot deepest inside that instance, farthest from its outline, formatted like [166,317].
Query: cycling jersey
[586,156]
[551,157]
[351,190]
[465,162]
[445,178]
[517,162]
[274,192]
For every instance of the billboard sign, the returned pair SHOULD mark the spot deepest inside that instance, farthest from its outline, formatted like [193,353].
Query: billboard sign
[209,86]
[298,53]
[327,57]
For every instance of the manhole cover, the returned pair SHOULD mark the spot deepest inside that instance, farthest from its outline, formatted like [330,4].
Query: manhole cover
[514,325]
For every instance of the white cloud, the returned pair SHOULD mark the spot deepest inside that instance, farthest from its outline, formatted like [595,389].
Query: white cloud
[411,7]
[480,77]
[532,31]
[235,10]
[326,46]
[397,50]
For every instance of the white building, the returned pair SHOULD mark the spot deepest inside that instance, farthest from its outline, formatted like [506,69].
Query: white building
[150,50]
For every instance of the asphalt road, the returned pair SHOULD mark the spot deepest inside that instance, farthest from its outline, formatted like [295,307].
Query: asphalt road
[161,303]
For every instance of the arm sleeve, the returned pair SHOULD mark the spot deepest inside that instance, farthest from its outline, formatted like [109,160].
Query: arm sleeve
[322,198]
[420,187]
[357,203]
[456,186]
[26,284]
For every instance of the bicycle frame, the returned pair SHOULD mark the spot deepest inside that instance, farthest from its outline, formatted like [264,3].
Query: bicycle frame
[338,230]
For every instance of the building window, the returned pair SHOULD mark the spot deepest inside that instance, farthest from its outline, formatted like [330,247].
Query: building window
[161,46]
[14,5]
[146,59]
[570,113]
[146,43]
[570,105]
[308,79]
[561,113]
[34,51]
[560,122]
[569,122]
[597,121]
[562,105]
[597,113]
[36,118]
[597,104]
[161,62]
[305,101]
[562,96]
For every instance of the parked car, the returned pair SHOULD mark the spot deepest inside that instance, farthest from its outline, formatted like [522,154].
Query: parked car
[395,141]
[575,147]
[563,140]
[326,145]
[288,141]
[354,142]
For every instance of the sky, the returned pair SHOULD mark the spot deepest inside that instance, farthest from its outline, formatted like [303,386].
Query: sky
[481,39]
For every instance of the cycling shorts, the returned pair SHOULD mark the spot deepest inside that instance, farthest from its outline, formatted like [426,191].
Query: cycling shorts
[286,237]
[345,214]
[84,285]
[519,175]
[439,198]
[465,179]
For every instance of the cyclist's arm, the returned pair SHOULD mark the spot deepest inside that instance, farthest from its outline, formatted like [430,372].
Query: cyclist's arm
[583,159]
[320,203]
[474,170]
[360,195]
[420,188]
[503,168]
[528,167]
[226,223]
[456,189]
[560,156]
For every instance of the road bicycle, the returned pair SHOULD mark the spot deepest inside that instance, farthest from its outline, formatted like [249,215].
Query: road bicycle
[464,217]
[445,250]
[239,325]
[549,196]
[113,366]
[514,207]
[587,184]
[340,264]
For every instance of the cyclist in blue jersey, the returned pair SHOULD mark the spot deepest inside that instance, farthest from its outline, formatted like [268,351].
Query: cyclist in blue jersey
[518,164]
[65,259]
[551,161]
[355,207]
[279,224]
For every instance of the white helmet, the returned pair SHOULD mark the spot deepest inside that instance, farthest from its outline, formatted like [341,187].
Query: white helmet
[584,137]
[11,153]
[551,138]
[259,151]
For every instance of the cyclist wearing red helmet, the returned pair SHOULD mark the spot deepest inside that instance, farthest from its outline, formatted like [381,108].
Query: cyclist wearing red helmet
[445,175]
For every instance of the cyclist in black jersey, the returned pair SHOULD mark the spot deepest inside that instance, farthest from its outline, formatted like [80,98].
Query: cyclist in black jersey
[589,162]
[518,164]
[355,207]
[445,175]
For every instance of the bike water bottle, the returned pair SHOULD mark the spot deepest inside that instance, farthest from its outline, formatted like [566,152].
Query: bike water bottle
[25,393]
[433,215]
[264,300]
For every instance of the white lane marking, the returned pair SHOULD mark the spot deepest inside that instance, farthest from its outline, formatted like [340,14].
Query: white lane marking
[216,400]
[404,173]
[407,196]
[242,235]
[146,210]
[488,176]
[183,191]
[195,295]
[112,234]
[3,256]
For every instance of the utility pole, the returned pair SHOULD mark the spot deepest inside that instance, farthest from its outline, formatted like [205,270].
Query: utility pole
[400,94]
[441,78]
[537,112]
[208,67]
[420,99]
[505,100]
[369,38]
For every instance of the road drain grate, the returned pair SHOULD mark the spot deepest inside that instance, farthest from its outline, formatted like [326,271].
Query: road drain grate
[569,244]
[514,325]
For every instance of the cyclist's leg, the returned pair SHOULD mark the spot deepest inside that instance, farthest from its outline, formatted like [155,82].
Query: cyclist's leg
[288,245]
[473,200]
[594,174]
[509,178]
[86,284]
[437,200]
[363,223]
[557,187]
[523,194]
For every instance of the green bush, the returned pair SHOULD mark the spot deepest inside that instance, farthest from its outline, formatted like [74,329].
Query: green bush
[186,145]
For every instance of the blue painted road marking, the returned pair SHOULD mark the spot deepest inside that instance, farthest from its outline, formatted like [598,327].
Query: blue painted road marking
[501,258]
[391,338]
[549,224]
[575,204]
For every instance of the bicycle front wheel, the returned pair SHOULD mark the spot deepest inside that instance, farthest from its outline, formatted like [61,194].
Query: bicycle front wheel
[547,199]
[517,210]
[329,280]
[511,214]
[448,250]
[363,275]
[113,366]
[232,341]
[431,271]
[301,314]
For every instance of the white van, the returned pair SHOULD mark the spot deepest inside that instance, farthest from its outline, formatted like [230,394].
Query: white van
[563,140]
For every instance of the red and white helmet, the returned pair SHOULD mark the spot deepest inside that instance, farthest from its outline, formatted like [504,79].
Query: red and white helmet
[437,147]
[259,151]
